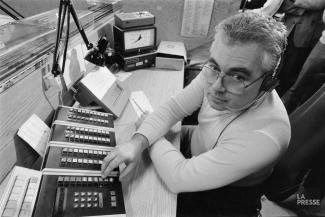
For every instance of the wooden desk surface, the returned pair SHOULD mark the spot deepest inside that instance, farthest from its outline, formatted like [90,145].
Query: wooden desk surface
[144,192]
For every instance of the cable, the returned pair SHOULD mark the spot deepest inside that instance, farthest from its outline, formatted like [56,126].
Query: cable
[242,112]
[43,91]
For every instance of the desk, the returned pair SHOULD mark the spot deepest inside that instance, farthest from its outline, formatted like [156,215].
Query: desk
[144,192]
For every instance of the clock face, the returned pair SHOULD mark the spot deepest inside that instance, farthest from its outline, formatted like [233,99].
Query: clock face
[139,38]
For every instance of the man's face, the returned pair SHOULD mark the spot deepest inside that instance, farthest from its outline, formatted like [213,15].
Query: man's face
[241,62]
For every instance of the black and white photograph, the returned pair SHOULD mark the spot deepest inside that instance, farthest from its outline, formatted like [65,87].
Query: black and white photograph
[162,108]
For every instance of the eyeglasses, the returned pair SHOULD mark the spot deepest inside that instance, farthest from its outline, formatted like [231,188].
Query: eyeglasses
[233,83]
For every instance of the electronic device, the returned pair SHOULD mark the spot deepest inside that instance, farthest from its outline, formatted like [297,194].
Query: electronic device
[61,194]
[20,195]
[102,87]
[60,157]
[136,61]
[77,134]
[65,195]
[83,116]
[135,39]
[132,19]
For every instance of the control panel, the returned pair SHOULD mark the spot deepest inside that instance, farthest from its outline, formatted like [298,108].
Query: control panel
[84,116]
[74,134]
[79,195]
[70,183]
[21,192]
[74,158]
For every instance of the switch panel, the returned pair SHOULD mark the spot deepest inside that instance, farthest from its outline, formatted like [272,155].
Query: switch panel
[84,116]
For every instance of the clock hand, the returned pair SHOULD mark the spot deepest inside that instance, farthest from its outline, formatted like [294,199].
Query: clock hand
[140,37]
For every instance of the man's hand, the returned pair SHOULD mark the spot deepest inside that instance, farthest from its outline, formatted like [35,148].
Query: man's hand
[127,153]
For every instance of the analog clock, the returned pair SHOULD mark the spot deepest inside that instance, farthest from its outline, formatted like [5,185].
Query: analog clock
[139,38]
[134,39]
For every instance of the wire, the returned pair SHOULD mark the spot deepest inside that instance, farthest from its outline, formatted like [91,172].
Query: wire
[43,91]
[242,112]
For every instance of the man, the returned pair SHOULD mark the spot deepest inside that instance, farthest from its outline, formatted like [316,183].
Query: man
[311,76]
[243,126]
[303,21]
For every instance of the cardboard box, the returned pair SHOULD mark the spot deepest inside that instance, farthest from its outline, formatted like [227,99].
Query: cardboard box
[171,55]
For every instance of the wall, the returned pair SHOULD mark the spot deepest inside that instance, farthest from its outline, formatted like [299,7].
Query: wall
[28,8]
[169,17]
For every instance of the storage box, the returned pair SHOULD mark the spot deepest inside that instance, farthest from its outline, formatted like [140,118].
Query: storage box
[171,55]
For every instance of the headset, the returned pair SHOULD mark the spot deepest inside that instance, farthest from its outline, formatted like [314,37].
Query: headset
[270,82]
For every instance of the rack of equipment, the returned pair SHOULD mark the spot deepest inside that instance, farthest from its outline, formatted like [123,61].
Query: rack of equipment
[70,182]
[135,38]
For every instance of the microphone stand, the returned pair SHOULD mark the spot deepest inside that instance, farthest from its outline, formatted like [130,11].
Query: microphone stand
[66,8]
[7,11]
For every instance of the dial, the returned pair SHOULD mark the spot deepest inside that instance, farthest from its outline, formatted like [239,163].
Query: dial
[139,38]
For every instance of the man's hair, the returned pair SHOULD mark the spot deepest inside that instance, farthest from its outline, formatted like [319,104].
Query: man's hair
[250,27]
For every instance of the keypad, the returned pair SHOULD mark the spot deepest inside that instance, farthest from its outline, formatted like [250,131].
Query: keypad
[92,117]
[82,158]
[21,197]
[93,199]
[89,198]
[87,181]
[87,135]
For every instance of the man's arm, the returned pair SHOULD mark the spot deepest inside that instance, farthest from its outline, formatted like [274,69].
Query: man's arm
[310,4]
[155,126]
[270,7]
[183,104]
[229,162]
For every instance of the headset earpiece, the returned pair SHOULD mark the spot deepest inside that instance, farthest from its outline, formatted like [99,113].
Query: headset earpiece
[269,83]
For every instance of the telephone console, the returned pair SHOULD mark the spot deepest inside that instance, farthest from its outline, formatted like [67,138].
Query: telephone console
[69,133]
[83,116]
[20,194]
[63,195]
[78,159]
[44,194]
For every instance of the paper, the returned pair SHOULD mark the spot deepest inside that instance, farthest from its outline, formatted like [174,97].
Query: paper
[75,65]
[196,18]
[35,132]
[98,82]
[140,103]
[122,76]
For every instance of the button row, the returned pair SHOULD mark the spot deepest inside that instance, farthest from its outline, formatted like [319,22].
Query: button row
[88,131]
[84,152]
[85,181]
[84,111]
[88,139]
[22,185]
[67,160]
[81,151]
[88,119]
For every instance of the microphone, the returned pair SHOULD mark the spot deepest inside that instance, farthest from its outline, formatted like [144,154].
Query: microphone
[97,55]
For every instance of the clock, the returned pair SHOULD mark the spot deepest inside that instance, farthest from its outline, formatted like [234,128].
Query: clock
[135,39]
